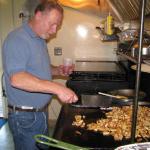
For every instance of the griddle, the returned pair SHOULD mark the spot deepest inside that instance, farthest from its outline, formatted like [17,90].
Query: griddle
[98,66]
[64,130]
[98,70]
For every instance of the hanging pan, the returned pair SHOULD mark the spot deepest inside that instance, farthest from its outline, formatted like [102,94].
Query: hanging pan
[93,101]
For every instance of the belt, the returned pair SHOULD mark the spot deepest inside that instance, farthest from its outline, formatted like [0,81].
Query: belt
[26,109]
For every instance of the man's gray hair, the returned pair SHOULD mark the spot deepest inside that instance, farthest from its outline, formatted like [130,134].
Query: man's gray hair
[48,6]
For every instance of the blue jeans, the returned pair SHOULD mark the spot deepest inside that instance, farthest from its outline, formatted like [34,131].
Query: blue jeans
[24,125]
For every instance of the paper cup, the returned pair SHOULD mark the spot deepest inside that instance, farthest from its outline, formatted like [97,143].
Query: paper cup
[67,63]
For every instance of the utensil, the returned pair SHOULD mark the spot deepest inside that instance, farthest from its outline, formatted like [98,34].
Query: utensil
[145,50]
[113,96]
[93,101]
[42,139]
[129,93]
[144,145]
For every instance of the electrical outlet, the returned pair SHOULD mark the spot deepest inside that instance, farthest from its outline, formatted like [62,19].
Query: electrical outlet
[57,51]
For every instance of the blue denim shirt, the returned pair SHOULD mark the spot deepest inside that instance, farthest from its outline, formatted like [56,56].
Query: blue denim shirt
[23,50]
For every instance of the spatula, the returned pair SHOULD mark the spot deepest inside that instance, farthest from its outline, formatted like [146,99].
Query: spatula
[114,96]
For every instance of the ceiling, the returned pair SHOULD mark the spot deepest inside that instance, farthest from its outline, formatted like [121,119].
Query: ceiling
[122,10]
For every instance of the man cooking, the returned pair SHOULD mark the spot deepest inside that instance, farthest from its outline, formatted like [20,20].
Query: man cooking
[28,75]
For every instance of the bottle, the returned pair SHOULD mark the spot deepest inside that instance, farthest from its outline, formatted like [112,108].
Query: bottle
[109,25]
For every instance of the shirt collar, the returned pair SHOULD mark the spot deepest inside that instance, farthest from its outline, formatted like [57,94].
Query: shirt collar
[29,30]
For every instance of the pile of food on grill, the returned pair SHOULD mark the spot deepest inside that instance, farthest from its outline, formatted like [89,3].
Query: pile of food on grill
[118,123]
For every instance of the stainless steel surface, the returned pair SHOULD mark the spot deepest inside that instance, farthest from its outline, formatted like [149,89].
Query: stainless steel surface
[96,66]
[129,93]
[128,9]
[103,102]
[145,50]
[122,10]
[143,145]
[95,101]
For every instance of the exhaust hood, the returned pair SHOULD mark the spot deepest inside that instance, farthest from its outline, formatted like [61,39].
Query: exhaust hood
[96,7]
[128,9]
[122,10]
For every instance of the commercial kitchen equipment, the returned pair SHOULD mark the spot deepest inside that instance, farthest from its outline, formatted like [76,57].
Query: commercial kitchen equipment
[66,132]
[64,129]
[91,77]
[81,137]
[138,64]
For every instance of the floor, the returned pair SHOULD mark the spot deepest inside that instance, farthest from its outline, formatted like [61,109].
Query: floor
[6,140]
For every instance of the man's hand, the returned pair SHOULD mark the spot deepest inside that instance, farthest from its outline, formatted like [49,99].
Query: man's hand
[62,70]
[65,94]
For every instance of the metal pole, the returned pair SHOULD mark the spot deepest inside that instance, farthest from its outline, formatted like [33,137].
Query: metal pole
[138,73]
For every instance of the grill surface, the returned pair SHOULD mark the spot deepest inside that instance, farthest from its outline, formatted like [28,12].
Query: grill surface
[98,70]
[66,132]
[91,77]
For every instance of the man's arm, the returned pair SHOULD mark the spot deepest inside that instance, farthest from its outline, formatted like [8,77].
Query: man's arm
[31,83]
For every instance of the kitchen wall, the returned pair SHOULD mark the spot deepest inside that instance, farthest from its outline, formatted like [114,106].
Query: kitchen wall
[77,37]
[6,25]
[6,20]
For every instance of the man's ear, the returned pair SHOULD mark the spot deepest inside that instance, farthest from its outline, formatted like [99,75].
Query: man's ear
[38,15]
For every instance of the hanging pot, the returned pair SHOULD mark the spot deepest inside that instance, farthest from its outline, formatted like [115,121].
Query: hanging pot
[145,50]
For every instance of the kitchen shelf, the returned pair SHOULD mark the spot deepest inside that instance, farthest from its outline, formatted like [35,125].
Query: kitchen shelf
[128,35]
[138,71]
[107,38]
[128,56]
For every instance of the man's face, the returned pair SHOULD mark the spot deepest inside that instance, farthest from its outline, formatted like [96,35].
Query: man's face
[49,23]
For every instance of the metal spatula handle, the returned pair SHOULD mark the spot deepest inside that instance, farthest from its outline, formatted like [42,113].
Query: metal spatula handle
[114,96]
[109,95]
